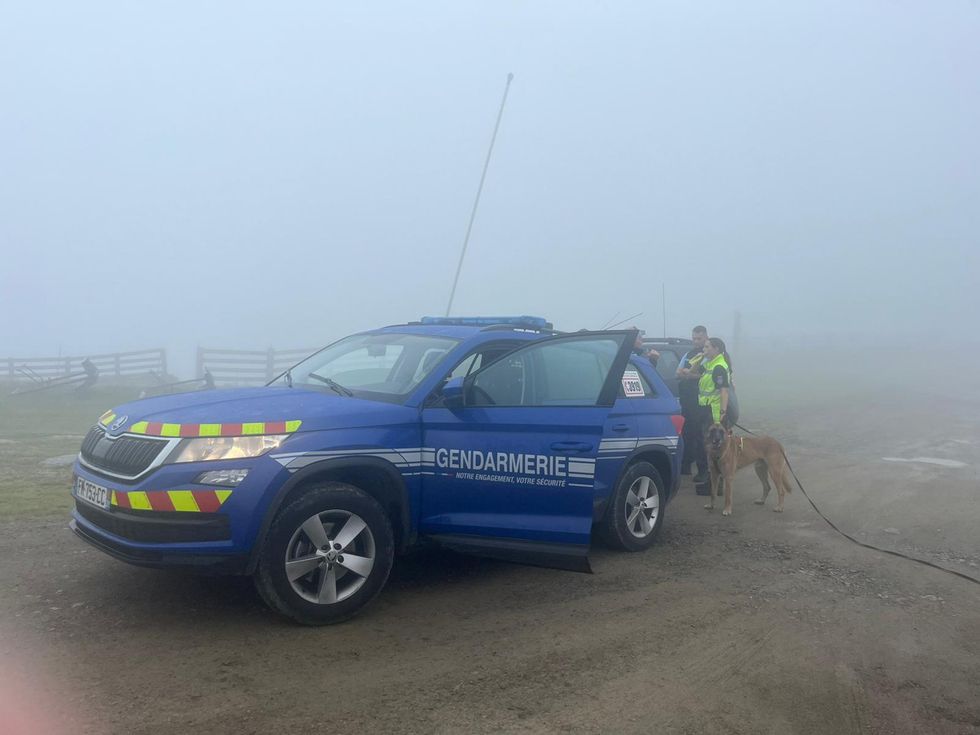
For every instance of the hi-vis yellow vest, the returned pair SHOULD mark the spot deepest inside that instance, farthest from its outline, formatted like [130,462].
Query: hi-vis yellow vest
[708,392]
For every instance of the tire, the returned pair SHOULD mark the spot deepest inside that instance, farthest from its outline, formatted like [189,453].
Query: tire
[630,525]
[329,584]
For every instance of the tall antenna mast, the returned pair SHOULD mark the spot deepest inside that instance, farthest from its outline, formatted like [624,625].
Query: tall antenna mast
[479,190]
[663,293]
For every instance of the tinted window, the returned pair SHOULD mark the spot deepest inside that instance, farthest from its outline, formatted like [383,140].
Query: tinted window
[667,365]
[484,355]
[568,372]
[648,390]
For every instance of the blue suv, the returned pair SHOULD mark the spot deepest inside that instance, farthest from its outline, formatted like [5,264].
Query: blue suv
[495,436]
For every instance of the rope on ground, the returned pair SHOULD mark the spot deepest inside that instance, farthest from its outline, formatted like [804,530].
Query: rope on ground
[850,538]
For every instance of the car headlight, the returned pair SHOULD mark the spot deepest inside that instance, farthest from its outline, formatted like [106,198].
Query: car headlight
[227,447]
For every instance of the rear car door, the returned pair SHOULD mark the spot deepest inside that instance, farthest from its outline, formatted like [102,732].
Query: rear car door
[512,471]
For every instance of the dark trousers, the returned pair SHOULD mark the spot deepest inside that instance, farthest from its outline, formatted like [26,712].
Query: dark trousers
[697,419]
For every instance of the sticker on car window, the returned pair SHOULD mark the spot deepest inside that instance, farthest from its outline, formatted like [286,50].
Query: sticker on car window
[632,386]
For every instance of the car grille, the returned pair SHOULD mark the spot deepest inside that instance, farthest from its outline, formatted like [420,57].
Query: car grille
[158,527]
[126,455]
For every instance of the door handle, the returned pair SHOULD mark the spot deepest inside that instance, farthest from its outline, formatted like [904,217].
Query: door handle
[620,427]
[571,446]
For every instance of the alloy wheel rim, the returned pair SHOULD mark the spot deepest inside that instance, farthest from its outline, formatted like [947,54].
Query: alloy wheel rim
[642,507]
[330,556]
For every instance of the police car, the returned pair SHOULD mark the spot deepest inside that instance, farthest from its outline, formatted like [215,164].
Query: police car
[495,435]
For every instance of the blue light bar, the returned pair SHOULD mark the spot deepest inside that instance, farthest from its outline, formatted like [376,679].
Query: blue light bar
[532,322]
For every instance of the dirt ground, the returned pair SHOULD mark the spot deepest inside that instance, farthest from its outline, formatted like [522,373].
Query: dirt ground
[758,623]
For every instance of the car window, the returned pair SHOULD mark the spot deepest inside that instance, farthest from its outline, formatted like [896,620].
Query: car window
[629,390]
[562,373]
[484,355]
[374,365]
[430,358]
[667,364]
[361,367]
[469,364]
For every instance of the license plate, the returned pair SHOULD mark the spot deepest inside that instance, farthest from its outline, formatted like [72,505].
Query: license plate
[92,493]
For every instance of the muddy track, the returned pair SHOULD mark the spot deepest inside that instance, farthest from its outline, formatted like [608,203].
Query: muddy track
[756,623]
[764,624]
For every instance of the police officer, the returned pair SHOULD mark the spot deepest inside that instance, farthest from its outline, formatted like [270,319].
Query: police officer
[714,383]
[688,373]
[648,352]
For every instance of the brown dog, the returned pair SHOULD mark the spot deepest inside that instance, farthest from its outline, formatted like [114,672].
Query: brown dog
[727,454]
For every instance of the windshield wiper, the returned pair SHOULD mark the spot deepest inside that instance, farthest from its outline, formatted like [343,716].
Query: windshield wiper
[334,385]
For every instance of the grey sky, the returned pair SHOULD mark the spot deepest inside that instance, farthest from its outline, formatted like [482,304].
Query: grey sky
[247,174]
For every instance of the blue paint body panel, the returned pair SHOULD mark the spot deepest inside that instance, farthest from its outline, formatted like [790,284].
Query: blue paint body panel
[536,474]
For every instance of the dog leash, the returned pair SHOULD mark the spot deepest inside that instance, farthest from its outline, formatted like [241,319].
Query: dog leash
[850,538]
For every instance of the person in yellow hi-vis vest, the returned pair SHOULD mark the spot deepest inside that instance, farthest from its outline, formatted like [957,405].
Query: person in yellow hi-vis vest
[714,384]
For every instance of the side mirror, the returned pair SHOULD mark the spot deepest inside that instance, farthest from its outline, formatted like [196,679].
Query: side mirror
[452,393]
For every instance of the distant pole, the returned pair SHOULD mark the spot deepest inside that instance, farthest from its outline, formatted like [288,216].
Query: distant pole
[663,293]
[479,190]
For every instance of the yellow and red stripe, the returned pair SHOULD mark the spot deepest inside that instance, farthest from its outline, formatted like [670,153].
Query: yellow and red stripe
[253,428]
[107,418]
[191,501]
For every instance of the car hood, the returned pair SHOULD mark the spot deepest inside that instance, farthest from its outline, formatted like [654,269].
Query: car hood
[314,409]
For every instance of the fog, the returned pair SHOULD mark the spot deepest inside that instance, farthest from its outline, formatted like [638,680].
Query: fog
[246,175]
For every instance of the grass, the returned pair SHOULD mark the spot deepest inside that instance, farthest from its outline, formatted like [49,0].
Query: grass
[39,426]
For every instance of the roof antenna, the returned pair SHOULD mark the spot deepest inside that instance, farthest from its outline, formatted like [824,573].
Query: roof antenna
[610,320]
[663,292]
[623,321]
[479,190]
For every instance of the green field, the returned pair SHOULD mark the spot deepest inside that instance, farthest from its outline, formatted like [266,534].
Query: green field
[42,426]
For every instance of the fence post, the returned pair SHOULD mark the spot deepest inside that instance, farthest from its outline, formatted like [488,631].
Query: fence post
[163,362]
[270,364]
[199,373]
[67,365]
[116,362]
[10,367]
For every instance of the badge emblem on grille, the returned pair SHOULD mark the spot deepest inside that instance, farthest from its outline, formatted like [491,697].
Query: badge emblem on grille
[118,423]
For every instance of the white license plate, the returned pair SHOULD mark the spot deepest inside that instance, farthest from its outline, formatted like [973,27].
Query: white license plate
[92,493]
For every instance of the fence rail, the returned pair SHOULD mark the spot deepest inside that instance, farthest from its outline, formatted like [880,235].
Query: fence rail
[246,367]
[112,364]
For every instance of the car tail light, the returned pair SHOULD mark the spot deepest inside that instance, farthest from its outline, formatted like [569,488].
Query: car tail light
[678,421]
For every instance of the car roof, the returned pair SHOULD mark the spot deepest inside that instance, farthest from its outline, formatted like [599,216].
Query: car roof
[679,341]
[461,327]
[463,332]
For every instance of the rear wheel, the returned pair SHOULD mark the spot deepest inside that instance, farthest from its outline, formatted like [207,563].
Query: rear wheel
[635,511]
[327,555]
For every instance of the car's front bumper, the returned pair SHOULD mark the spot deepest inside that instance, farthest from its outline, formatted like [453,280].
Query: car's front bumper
[153,557]
[163,520]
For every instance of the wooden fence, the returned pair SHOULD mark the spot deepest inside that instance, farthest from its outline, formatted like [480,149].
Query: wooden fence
[246,367]
[110,365]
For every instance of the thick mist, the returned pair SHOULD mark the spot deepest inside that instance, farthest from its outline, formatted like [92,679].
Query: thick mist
[244,175]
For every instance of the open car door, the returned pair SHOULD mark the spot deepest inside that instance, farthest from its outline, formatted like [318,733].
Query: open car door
[514,446]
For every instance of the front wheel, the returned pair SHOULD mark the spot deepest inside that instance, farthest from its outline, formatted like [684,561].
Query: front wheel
[636,509]
[327,555]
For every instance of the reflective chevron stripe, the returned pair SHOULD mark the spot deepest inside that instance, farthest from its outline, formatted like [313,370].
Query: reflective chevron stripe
[189,501]
[254,428]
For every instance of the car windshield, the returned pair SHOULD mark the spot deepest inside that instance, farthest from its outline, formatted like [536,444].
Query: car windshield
[383,366]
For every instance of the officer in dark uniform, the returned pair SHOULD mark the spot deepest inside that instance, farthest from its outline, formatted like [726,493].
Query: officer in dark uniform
[688,373]
[648,352]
